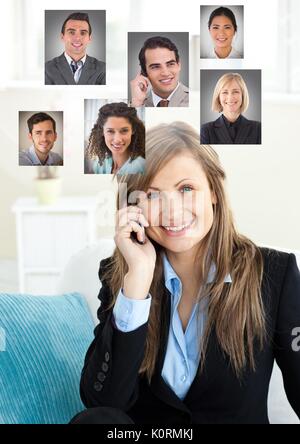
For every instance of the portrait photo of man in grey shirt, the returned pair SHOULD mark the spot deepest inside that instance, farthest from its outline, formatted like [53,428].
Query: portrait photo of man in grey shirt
[42,133]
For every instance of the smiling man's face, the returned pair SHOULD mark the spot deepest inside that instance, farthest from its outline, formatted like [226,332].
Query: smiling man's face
[162,70]
[76,38]
[43,137]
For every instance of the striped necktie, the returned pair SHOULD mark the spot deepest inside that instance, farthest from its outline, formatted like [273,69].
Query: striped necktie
[76,69]
[74,66]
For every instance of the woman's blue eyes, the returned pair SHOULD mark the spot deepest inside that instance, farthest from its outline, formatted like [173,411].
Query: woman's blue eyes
[186,188]
[156,194]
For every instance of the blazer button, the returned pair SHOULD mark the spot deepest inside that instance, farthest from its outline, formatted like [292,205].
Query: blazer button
[106,357]
[101,376]
[98,386]
[104,366]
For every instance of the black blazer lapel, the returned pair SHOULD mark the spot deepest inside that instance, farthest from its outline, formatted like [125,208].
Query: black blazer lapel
[214,363]
[64,70]
[244,131]
[88,71]
[221,131]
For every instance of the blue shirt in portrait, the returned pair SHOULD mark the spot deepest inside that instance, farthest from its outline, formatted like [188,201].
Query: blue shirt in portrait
[131,166]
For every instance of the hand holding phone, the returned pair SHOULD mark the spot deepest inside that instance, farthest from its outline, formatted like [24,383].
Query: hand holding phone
[133,236]
[139,87]
[132,241]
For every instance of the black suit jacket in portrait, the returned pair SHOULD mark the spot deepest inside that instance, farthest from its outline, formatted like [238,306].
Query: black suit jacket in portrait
[110,375]
[58,72]
[216,132]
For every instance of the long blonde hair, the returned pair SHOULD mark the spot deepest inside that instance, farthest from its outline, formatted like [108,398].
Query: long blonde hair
[235,311]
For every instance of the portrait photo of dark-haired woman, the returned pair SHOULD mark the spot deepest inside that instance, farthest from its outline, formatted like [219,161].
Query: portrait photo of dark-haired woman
[116,143]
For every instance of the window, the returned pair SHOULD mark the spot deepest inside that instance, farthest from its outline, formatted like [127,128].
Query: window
[272,37]
[23,22]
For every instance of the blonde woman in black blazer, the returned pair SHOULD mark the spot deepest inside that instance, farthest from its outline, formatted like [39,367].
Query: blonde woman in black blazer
[231,98]
[244,301]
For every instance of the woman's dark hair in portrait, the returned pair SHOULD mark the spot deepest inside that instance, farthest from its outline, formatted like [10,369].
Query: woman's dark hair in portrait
[225,12]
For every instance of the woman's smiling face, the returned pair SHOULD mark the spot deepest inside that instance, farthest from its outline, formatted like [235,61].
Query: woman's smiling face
[231,97]
[117,132]
[222,31]
[178,205]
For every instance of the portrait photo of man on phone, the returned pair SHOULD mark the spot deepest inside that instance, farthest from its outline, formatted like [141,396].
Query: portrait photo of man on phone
[161,68]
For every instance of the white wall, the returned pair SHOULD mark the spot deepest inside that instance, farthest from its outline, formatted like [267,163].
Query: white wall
[18,181]
[263,181]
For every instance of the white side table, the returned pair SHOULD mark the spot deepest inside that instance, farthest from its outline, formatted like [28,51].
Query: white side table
[48,235]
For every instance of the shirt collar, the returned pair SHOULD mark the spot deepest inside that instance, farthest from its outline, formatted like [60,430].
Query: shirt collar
[156,98]
[69,59]
[109,164]
[173,282]
[229,124]
[35,158]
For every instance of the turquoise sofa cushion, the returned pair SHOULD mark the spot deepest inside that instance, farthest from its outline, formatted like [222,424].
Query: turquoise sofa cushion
[43,341]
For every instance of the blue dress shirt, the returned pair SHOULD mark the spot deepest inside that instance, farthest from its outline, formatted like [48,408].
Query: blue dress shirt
[183,347]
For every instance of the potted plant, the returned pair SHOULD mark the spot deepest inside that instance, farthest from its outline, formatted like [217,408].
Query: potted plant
[48,184]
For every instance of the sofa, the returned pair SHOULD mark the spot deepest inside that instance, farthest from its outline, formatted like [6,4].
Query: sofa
[43,340]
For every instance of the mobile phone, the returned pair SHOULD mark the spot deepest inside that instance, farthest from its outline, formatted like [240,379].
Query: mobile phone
[133,236]
[142,87]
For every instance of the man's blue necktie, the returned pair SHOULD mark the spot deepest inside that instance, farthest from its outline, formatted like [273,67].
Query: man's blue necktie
[74,66]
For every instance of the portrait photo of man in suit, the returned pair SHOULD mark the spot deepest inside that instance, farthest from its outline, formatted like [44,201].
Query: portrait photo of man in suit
[235,99]
[38,139]
[74,66]
[158,81]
